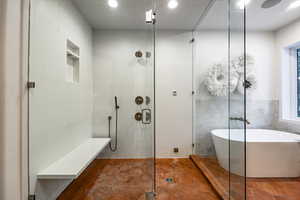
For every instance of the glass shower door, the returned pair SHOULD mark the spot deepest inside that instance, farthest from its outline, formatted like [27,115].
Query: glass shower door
[237,84]
[219,99]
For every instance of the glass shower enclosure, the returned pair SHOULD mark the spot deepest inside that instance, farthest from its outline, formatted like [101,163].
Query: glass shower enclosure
[93,83]
[90,82]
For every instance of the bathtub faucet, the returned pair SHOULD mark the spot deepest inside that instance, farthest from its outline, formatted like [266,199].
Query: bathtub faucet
[240,119]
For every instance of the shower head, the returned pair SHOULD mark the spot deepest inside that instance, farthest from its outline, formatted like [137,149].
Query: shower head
[270,3]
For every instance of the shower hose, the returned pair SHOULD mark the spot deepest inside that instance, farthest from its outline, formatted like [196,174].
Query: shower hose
[115,148]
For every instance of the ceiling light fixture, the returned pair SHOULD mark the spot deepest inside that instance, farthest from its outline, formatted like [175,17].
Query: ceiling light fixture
[173,4]
[241,4]
[294,5]
[113,3]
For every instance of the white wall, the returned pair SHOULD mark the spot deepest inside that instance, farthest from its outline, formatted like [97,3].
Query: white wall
[117,72]
[60,111]
[262,46]
[2,116]
[287,36]
[173,113]
[10,100]
[212,47]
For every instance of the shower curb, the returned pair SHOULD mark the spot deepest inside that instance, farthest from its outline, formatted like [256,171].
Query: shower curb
[216,185]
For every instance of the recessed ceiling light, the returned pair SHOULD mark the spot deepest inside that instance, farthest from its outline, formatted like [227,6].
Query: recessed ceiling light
[294,5]
[113,3]
[173,4]
[241,4]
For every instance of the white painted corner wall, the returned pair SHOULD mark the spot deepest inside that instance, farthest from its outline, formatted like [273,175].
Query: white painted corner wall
[60,111]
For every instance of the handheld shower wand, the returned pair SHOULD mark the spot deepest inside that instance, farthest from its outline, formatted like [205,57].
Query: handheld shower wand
[116,103]
[117,107]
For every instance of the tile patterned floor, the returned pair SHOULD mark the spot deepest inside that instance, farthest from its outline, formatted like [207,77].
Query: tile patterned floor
[188,181]
[257,188]
[129,179]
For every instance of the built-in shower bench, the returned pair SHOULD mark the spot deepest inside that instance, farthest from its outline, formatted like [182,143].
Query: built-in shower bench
[74,163]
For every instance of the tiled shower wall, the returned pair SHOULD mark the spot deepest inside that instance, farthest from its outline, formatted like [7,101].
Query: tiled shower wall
[117,72]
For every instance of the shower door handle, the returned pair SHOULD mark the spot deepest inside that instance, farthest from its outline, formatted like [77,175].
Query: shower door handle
[146,113]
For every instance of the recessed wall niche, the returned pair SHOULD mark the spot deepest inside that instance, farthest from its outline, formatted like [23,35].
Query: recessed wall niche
[72,66]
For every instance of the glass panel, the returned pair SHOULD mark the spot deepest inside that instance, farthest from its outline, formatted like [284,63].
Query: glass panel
[237,99]
[219,100]
[211,97]
[298,82]
[185,54]
[94,73]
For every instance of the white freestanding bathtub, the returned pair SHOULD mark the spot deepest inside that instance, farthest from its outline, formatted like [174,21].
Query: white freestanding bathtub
[269,153]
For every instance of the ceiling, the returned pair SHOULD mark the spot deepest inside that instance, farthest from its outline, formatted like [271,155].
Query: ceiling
[130,14]
[257,18]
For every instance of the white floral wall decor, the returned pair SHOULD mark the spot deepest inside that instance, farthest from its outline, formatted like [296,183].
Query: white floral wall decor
[238,63]
[217,83]
[217,80]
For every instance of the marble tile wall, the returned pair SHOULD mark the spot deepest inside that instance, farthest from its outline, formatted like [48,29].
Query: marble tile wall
[213,114]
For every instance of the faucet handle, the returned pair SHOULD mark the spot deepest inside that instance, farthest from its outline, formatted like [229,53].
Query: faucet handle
[239,119]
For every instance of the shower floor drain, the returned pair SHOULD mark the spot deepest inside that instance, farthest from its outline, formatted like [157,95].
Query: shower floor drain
[170,180]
